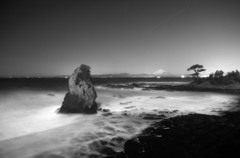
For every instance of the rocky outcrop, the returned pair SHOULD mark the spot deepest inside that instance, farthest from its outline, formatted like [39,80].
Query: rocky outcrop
[81,94]
[193,135]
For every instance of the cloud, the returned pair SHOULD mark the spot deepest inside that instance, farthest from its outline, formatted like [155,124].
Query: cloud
[159,72]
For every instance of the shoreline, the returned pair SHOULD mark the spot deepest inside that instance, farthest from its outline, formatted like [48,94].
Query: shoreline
[129,120]
[192,135]
[177,87]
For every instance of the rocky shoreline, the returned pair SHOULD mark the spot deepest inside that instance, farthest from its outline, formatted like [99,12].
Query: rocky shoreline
[193,135]
[176,87]
[185,136]
[182,136]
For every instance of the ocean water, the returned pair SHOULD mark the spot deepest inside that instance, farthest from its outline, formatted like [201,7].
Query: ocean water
[31,128]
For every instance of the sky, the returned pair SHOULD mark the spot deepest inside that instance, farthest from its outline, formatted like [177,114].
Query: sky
[48,38]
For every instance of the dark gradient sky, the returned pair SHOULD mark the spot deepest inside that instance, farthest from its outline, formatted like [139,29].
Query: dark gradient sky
[53,37]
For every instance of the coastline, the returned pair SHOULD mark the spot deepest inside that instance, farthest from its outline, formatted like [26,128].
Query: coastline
[234,89]
[192,135]
[121,114]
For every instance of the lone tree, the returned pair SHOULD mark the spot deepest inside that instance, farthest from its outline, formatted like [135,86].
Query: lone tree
[197,69]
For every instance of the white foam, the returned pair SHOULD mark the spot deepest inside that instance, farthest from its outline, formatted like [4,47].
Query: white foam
[29,123]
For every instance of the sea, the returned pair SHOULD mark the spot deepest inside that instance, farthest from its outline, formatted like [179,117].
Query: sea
[30,126]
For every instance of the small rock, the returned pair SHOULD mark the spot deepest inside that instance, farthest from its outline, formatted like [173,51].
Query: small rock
[105,110]
[50,94]
[125,103]
[107,114]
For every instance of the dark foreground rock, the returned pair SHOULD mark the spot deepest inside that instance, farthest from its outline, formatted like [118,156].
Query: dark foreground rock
[81,94]
[190,136]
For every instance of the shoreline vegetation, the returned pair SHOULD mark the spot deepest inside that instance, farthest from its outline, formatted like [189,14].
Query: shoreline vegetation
[215,82]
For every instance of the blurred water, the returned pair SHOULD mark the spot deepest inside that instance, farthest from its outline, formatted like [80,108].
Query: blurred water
[29,124]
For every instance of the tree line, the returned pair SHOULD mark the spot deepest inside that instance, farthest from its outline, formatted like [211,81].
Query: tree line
[216,78]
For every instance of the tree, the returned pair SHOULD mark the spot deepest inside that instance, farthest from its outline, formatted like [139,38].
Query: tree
[234,75]
[218,74]
[197,69]
[211,76]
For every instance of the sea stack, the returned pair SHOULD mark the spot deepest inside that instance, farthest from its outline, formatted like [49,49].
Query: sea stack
[81,94]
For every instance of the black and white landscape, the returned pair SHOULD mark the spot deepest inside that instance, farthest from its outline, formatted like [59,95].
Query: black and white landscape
[119,79]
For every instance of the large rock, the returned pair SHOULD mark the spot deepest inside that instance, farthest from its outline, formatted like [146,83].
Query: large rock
[188,136]
[81,94]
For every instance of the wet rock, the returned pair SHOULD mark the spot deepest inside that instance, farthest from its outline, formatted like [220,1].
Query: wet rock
[117,141]
[105,110]
[102,134]
[129,128]
[174,111]
[125,113]
[101,146]
[47,155]
[107,114]
[51,94]
[158,97]
[81,95]
[119,86]
[135,85]
[95,156]
[100,123]
[161,97]
[119,96]
[97,144]
[130,107]
[109,128]
[125,103]
[124,86]
[152,116]
[107,151]
[193,135]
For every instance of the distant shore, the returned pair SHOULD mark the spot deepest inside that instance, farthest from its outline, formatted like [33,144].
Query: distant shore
[62,83]
[205,87]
